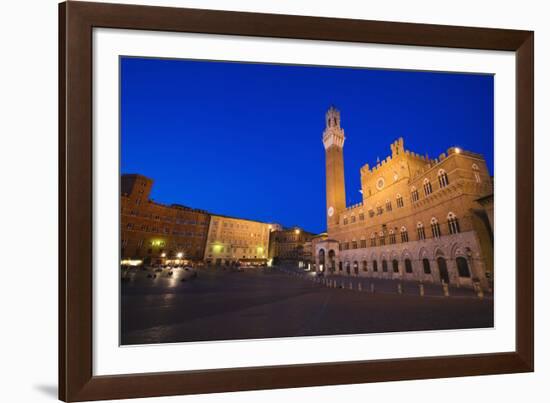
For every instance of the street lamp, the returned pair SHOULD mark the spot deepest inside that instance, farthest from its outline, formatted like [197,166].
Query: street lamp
[179,255]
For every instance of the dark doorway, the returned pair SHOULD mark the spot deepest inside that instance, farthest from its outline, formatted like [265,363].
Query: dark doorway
[462,265]
[442,266]
[332,260]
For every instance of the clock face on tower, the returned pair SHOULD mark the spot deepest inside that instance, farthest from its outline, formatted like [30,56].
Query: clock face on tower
[380,183]
[330,211]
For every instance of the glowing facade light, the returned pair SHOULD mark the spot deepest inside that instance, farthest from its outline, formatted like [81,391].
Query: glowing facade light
[179,255]
[296,231]
[457,150]
[163,255]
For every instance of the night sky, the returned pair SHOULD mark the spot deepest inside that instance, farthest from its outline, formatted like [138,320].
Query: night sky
[245,139]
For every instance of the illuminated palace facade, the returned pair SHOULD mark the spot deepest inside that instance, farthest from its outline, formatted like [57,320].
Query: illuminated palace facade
[155,233]
[420,219]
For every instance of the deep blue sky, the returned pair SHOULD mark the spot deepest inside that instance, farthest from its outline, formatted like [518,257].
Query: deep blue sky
[245,139]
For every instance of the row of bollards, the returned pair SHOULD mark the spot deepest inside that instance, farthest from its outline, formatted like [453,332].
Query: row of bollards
[335,283]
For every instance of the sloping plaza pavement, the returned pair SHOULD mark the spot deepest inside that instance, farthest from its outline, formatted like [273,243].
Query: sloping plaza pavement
[265,303]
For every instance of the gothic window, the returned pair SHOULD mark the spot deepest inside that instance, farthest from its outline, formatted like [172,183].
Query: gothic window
[427,187]
[443,178]
[365,265]
[399,201]
[392,237]
[388,205]
[363,243]
[373,240]
[356,267]
[395,265]
[454,228]
[374,265]
[436,231]
[475,168]
[426,266]
[361,216]
[414,194]
[408,266]
[462,266]
[354,245]
[404,235]
[382,238]
[339,266]
[379,210]
[371,213]
[420,231]
[345,220]
[384,266]
[352,218]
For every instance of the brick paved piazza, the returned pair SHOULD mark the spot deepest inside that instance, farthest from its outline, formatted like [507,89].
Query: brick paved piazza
[262,303]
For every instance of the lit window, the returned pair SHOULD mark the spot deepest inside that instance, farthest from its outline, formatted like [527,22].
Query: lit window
[399,201]
[475,168]
[454,228]
[442,178]
[420,231]
[427,187]
[392,237]
[404,235]
[436,231]
[373,240]
[414,194]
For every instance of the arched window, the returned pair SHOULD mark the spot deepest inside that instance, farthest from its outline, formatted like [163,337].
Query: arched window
[454,228]
[382,238]
[365,268]
[443,178]
[384,266]
[340,266]
[462,266]
[477,177]
[388,205]
[436,231]
[420,231]
[427,187]
[395,265]
[408,266]
[426,266]
[348,270]
[414,194]
[373,239]
[379,210]
[392,237]
[399,200]
[356,267]
[374,265]
[404,235]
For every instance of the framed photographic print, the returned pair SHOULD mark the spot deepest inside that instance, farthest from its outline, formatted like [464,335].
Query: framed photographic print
[253,201]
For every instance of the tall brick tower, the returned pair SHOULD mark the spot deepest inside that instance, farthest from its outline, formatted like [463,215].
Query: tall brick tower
[333,140]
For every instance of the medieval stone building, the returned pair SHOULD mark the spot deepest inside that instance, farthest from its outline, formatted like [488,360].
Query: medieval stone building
[420,219]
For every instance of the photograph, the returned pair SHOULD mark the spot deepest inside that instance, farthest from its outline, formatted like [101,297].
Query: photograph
[263,200]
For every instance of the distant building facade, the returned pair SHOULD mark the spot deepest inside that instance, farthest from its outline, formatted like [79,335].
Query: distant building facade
[420,219]
[289,246]
[234,240]
[155,233]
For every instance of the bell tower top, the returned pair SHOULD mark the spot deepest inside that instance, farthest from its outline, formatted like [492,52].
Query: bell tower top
[332,117]
[333,134]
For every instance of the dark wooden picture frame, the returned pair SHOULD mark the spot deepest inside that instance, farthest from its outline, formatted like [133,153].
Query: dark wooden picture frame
[76,23]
